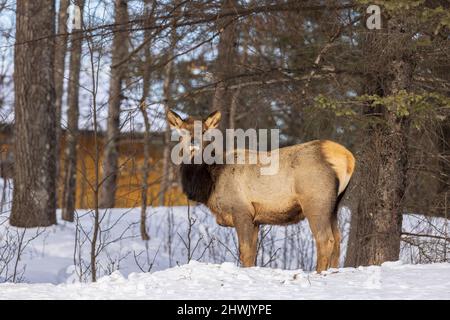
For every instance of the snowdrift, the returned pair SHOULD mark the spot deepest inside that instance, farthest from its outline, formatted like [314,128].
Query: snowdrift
[392,280]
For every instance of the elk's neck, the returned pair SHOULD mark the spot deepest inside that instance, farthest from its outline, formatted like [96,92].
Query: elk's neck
[198,181]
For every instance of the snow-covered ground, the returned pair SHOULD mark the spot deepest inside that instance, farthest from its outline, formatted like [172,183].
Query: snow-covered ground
[61,253]
[196,280]
[55,262]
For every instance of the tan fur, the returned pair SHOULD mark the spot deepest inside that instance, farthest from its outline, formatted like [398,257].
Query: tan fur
[341,160]
[305,186]
[310,178]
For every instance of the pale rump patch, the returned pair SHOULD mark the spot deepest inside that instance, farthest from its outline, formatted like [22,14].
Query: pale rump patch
[341,160]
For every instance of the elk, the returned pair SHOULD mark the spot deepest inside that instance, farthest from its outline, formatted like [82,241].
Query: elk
[309,184]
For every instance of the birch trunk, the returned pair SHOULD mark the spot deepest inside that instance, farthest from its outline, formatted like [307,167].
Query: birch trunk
[118,74]
[60,56]
[167,91]
[70,161]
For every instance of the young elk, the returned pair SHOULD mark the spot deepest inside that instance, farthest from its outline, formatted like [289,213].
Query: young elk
[310,181]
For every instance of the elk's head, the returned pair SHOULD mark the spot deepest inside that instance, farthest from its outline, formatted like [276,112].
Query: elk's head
[192,130]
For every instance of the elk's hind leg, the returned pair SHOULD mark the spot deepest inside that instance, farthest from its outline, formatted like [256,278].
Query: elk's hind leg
[319,219]
[337,241]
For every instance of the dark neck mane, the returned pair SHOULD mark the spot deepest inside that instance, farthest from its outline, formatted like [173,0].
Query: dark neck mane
[197,181]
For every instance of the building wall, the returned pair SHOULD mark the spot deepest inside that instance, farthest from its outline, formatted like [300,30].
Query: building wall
[128,193]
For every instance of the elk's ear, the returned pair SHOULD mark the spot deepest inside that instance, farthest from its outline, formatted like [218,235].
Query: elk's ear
[174,120]
[212,121]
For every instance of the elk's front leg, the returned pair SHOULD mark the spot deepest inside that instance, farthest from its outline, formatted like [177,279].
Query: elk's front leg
[247,233]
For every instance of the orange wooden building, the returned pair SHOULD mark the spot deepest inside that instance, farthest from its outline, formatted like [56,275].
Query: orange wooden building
[131,159]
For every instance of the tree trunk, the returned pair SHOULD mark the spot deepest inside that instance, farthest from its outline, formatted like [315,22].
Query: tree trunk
[70,161]
[225,64]
[146,73]
[166,152]
[118,73]
[60,56]
[34,194]
[167,91]
[236,93]
[145,172]
[381,174]
[444,161]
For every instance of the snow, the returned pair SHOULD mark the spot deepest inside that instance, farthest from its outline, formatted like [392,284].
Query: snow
[54,262]
[196,280]
[52,256]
